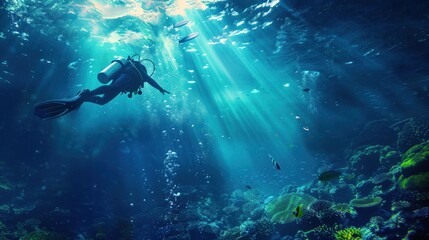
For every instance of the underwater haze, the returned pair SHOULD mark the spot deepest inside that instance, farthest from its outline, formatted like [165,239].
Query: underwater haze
[287,119]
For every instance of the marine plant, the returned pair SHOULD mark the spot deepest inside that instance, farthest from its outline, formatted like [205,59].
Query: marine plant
[365,202]
[280,209]
[415,168]
[350,233]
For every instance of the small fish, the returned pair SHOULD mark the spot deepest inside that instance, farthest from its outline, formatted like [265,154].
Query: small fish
[181,23]
[329,175]
[274,162]
[189,37]
[298,211]
[248,187]
[306,89]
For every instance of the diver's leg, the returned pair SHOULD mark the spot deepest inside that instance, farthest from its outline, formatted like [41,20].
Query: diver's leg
[109,92]
[105,89]
[107,97]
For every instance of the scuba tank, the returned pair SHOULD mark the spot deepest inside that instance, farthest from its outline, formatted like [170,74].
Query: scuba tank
[111,71]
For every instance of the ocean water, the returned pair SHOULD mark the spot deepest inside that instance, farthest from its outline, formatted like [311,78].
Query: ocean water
[309,85]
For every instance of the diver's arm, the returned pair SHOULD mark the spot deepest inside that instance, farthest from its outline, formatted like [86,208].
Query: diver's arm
[155,85]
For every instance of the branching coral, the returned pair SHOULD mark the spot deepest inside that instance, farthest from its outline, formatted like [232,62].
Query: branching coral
[350,233]
[280,209]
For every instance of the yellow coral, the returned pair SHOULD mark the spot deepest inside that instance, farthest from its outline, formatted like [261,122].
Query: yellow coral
[350,233]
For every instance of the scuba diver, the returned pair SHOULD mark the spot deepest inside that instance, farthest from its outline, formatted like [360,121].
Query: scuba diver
[127,75]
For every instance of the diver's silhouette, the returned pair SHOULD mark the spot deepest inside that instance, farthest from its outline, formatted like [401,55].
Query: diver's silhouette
[128,76]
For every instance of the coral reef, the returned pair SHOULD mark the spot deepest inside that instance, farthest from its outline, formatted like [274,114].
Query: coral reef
[263,229]
[280,209]
[231,234]
[375,132]
[415,168]
[40,235]
[413,132]
[365,202]
[350,233]
[344,208]
[321,208]
[260,229]
[368,159]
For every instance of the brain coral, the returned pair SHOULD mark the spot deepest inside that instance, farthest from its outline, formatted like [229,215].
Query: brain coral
[281,209]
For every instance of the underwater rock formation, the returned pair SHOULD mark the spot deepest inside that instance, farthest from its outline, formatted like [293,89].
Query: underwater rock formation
[415,168]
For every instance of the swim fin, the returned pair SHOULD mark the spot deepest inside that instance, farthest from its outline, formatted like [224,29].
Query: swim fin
[57,108]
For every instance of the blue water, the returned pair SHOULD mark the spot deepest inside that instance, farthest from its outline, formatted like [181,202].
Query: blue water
[150,166]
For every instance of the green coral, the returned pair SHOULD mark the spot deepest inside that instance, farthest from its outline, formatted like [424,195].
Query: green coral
[350,233]
[415,168]
[280,210]
[365,202]
[415,182]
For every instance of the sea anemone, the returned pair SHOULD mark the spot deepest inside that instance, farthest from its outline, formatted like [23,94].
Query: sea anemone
[350,233]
